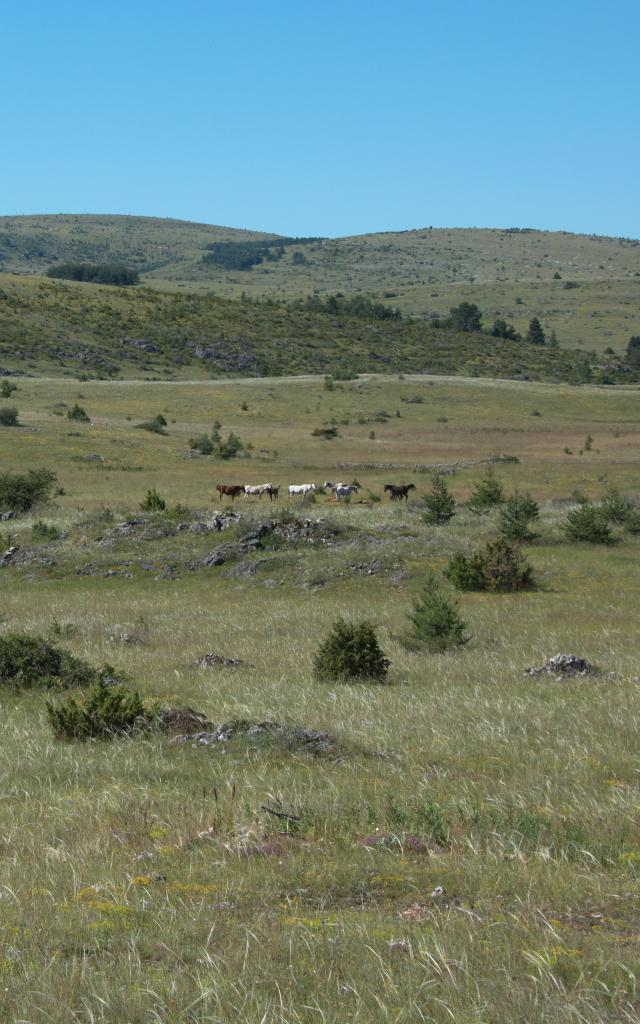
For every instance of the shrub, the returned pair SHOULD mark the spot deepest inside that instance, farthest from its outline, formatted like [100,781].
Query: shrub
[7,388]
[106,712]
[351,651]
[487,493]
[499,567]
[515,515]
[19,492]
[614,507]
[202,443]
[440,504]
[152,502]
[77,413]
[27,661]
[155,426]
[587,524]
[9,416]
[44,531]
[328,433]
[435,620]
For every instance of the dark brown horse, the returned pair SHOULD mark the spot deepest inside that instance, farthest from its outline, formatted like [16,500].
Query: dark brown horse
[230,489]
[399,491]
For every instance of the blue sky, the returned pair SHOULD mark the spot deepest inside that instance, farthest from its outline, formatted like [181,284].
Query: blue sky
[331,119]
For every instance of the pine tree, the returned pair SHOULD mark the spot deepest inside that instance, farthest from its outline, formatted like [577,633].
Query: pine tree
[535,334]
[435,620]
[440,504]
[487,493]
[515,515]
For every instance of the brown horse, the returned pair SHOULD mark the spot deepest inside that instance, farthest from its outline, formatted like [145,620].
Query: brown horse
[229,489]
[399,491]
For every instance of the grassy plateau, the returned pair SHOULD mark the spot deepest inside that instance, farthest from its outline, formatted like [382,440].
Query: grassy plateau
[462,846]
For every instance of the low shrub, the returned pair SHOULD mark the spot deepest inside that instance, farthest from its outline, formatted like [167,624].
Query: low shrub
[78,414]
[29,661]
[154,426]
[152,502]
[9,416]
[106,712]
[7,388]
[614,507]
[45,531]
[436,624]
[20,492]
[202,443]
[351,651]
[587,524]
[499,567]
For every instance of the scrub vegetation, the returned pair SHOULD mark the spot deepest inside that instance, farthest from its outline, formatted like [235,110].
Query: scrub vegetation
[442,838]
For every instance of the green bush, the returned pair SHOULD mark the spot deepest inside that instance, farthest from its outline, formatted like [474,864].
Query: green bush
[587,524]
[615,508]
[515,514]
[440,504]
[154,426]
[351,651]
[20,492]
[7,388]
[107,711]
[435,621]
[202,443]
[9,416]
[77,413]
[27,661]
[152,502]
[499,567]
[487,493]
[44,531]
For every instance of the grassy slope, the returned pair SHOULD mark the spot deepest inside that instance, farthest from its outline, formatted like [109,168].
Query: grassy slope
[68,327]
[423,272]
[116,909]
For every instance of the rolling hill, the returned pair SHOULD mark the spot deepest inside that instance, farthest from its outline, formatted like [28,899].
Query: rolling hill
[585,288]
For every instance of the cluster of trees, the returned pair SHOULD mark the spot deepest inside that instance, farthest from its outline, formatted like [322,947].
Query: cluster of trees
[244,255]
[467,317]
[350,305]
[98,273]
[214,444]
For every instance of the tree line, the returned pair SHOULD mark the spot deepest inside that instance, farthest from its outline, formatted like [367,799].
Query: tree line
[98,273]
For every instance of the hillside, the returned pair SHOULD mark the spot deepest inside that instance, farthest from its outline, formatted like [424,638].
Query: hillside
[67,328]
[584,287]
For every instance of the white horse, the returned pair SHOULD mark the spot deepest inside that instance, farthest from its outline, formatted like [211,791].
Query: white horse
[345,490]
[302,489]
[259,489]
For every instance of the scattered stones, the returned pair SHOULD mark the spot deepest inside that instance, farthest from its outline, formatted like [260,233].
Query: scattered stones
[5,516]
[291,738]
[85,570]
[563,665]
[212,659]
[94,458]
[10,555]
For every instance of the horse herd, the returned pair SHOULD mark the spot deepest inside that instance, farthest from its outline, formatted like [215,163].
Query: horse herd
[396,492]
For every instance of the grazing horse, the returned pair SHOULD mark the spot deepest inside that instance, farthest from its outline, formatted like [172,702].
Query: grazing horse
[272,491]
[399,491]
[302,489]
[345,490]
[231,490]
[259,489]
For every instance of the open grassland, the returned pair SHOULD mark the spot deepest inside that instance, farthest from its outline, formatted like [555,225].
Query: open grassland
[584,287]
[468,850]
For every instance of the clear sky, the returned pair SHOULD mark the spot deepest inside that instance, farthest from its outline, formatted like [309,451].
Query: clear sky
[325,118]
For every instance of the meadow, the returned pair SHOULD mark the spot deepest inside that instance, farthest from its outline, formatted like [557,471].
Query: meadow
[465,848]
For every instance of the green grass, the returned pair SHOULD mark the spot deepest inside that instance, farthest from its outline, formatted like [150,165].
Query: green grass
[144,881]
